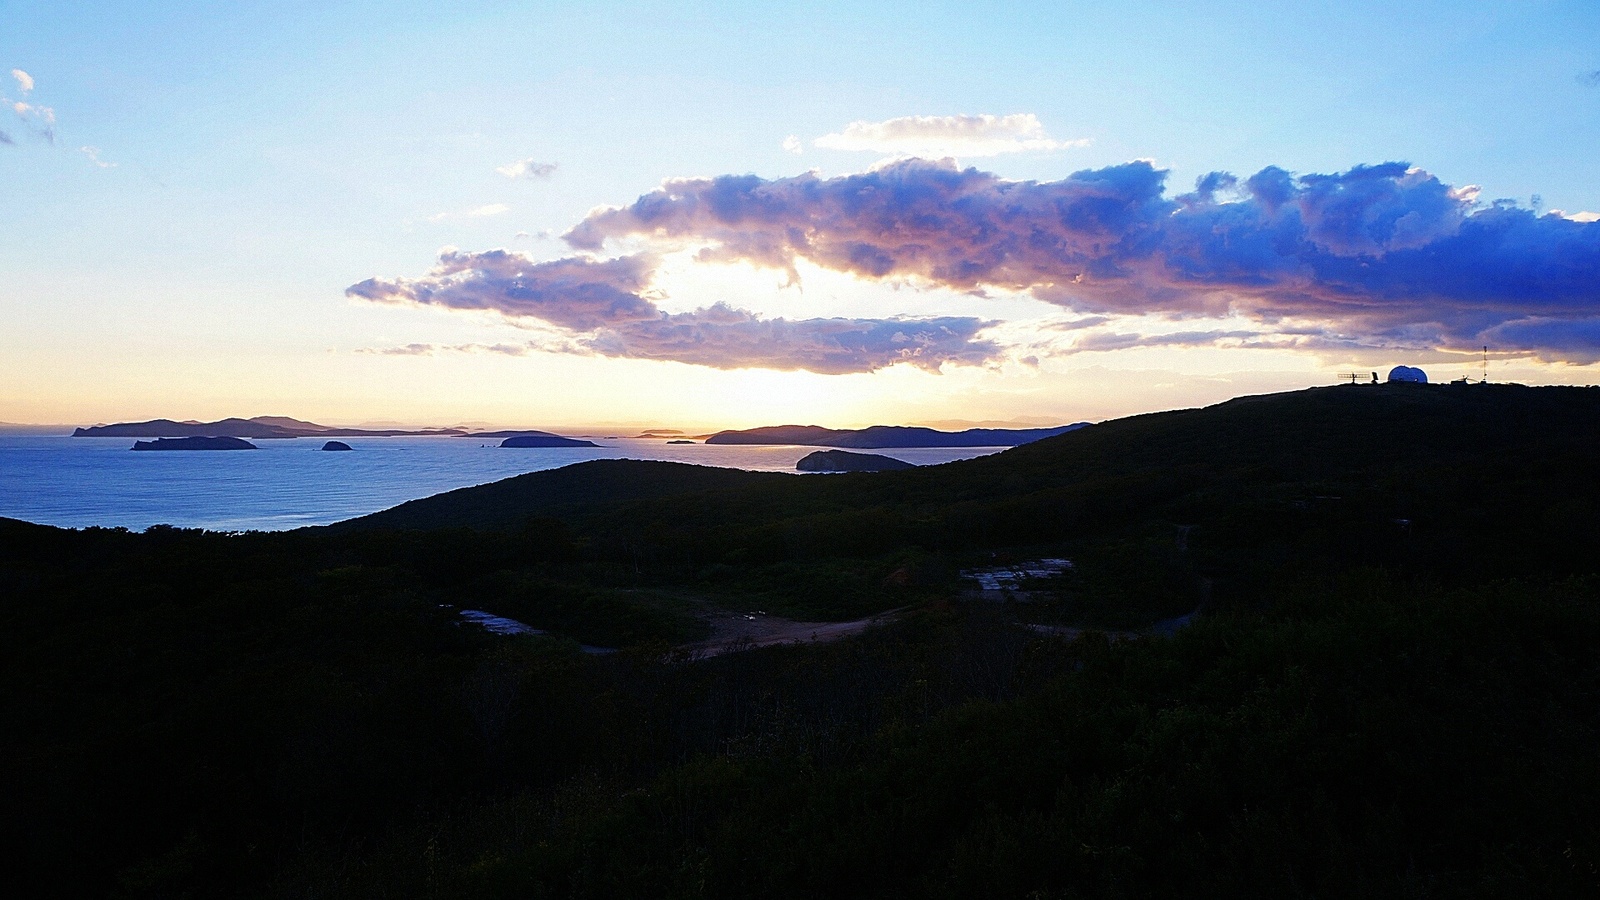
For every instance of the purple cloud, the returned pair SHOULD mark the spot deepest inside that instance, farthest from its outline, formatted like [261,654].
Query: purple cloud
[575,293]
[1385,252]
[431,349]
[1316,340]
[1104,341]
[406,350]
[726,338]
[602,305]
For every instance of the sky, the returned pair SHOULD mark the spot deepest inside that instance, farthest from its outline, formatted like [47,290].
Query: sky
[717,215]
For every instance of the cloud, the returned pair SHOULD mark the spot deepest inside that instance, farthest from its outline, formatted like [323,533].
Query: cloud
[433,349]
[94,156]
[937,136]
[1077,324]
[1323,341]
[530,169]
[1105,341]
[577,294]
[726,338]
[1551,339]
[406,350]
[1386,252]
[604,307]
[793,145]
[41,120]
[501,349]
[481,212]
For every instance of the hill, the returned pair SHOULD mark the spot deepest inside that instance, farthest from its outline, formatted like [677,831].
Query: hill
[842,461]
[261,427]
[1347,432]
[510,434]
[544,441]
[510,502]
[1460,482]
[196,443]
[888,436]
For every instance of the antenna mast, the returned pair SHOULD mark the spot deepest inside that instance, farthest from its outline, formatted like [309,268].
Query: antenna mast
[1485,365]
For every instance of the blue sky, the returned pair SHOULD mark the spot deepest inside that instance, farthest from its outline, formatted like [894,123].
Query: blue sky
[261,158]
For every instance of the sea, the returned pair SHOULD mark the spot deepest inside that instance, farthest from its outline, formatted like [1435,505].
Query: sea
[79,482]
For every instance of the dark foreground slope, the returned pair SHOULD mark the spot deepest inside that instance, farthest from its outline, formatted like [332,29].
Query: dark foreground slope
[1392,692]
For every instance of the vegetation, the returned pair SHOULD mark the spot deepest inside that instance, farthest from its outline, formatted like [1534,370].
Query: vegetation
[1391,690]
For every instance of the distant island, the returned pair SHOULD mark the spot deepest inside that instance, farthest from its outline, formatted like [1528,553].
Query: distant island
[844,461]
[260,427]
[540,439]
[680,442]
[337,445]
[876,437]
[195,443]
[507,433]
[886,436]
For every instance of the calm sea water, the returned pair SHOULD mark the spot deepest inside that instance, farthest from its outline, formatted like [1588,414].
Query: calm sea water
[78,482]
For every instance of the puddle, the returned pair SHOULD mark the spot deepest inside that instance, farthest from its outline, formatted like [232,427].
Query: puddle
[1009,579]
[502,625]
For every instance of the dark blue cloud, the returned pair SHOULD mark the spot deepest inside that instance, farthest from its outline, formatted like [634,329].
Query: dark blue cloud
[1380,251]
[1572,340]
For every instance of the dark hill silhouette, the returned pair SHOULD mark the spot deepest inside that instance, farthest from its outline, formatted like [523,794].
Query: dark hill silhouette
[585,485]
[260,427]
[545,440]
[805,435]
[1466,463]
[509,433]
[1335,432]
[888,436]
[196,443]
[844,461]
